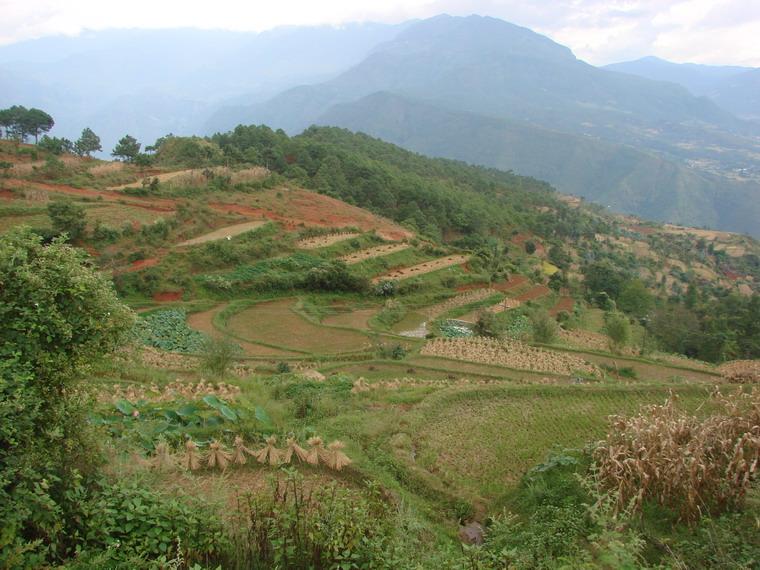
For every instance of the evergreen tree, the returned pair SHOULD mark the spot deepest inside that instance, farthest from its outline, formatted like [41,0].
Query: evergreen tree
[88,143]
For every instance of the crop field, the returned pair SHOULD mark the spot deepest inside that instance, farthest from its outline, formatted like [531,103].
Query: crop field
[512,354]
[500,432]
[357,318]
[372,252]
[459,300]
[203,321]
[423,268]
[276,323]
[222,233]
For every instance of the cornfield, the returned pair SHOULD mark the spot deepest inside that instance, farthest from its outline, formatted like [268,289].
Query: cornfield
[510,353]
[694,466]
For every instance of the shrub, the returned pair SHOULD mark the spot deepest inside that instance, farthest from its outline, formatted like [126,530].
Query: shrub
[67,217]
[218,355]
[488,325]
[544,327]
[617,329]
[693,466]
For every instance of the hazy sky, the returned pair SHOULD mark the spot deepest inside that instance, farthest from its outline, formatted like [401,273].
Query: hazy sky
[599,31]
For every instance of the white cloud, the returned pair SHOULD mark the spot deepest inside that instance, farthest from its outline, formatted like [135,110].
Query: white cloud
[600,31]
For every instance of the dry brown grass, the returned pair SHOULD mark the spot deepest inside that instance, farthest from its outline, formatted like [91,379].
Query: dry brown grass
[693,466]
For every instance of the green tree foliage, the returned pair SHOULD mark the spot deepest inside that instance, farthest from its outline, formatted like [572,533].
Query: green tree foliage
[67,217]
[721,329]
[492,256]
[127,149]
[20,122]
[56,146]
[635,299]
[434,196]
[36,122]
[530,247]
[87,143]
[58,316]
[218,355]
[602,277]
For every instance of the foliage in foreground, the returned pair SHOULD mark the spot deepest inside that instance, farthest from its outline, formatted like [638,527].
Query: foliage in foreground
[58,316]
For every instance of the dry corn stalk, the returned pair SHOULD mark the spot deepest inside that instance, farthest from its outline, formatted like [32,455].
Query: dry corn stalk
[336,459]
[192,458]
[269,454]
[294,449]
[692,465]
[218,456]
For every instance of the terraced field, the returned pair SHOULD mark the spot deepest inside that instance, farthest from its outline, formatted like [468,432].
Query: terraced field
[372,252]
[325,240]
[422,268]
[276,323]
[224,233]
[502,431]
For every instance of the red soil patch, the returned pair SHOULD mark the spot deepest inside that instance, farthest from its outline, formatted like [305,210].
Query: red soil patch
[168,296]
[564,304]
[153,204]
[534,293]
[306,208]
[6,194]
[733,276]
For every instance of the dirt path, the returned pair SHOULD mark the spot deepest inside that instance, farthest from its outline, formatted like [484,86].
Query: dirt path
[226,232]
[373,252]
[423,268]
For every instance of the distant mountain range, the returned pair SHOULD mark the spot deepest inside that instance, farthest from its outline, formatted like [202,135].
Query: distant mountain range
[152,82]
[736,89]
[665,141]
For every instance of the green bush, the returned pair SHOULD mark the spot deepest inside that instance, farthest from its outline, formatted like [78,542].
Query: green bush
[544,327]
[133,522]
[58,317]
